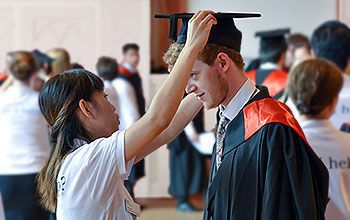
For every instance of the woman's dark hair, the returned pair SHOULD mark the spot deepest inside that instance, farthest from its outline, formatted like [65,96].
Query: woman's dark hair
[313,84]
[22,65]
[107,68]
[58,101]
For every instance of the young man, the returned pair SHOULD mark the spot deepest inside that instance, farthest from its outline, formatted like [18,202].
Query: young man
[262,165]
[128,71]
[272,56]
[331,40]
[298,49]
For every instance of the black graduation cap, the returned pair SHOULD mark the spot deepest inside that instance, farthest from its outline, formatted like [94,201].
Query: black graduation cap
[272,40]
[42,58]
[224,33]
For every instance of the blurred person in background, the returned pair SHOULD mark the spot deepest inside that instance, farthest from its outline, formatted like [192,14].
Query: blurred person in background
[272,56]
[24,143]
[44,64]
[107,69]
[314,87]
[128,71]
[331,41]
[298,49]
[61,60]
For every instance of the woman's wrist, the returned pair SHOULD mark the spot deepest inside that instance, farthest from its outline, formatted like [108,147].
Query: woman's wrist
[194,50]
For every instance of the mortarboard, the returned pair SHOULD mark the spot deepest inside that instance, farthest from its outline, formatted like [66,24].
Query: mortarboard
[272,40]
[42,58]
[224,33]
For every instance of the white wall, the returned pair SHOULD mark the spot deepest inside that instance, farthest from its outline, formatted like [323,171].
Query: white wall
[86,28]
[300,15]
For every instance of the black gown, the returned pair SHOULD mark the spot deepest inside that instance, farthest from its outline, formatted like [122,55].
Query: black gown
[268,170]
[187,165]
[274,80]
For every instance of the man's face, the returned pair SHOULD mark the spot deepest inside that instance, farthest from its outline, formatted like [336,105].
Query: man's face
[207,84]
[289,56]
[132,57]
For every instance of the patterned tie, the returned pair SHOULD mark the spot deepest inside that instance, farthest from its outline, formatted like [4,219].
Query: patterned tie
[220,135]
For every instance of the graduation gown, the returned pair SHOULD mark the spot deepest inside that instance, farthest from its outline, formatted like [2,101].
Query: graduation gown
[187,165]
[138,170]
[274,80]
[253,65]
[268,170]
[345,127]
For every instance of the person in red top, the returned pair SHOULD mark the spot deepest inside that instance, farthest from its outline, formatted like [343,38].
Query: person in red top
[3,77]
[345,127]
[272,55]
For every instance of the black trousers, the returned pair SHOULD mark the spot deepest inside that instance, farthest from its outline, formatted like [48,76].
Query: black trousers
[20,198]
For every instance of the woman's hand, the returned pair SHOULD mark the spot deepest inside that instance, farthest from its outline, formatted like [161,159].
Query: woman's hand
[199,27]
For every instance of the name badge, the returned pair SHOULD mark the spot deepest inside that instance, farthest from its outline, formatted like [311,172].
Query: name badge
[132,207]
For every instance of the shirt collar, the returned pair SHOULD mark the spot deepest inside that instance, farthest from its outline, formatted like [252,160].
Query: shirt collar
[129,67]
[320,124]
[268,65]
[239,100]
[346,78]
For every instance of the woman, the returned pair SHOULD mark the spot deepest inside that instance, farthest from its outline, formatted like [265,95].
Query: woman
[83,178]
[24,143]
[314,87]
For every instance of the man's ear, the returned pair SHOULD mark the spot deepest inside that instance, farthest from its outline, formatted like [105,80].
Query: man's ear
[86,108]
[223,61]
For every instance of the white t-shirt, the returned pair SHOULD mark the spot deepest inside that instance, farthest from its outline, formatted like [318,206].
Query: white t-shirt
[342,111]
[333,147]
[24,141]
[90,181]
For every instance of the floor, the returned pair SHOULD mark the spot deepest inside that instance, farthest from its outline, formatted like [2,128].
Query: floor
[164,208]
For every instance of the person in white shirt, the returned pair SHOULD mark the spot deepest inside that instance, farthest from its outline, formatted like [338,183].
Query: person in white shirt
[331,41]
[107,69]
[129,75]
[24,142]
[314,86]
[83,178]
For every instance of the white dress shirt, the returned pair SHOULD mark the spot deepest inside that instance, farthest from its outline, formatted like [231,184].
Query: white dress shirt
[268,66]
[130,68]
[333,147]
[342,111]
[90,183]
[127,103]
[24,141]
[244,94]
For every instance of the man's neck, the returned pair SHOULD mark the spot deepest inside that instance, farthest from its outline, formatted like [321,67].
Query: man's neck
[233,90]
[130,67]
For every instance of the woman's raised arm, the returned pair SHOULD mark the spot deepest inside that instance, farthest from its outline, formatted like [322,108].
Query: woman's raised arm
[165,103]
